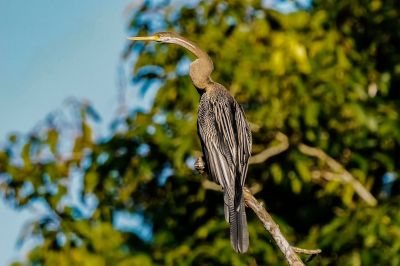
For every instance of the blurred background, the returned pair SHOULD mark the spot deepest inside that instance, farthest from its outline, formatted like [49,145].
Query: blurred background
[50,54]
[98,135]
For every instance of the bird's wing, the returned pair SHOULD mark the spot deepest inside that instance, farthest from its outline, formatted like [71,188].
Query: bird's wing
[226,144]
[244,142]
[215,132]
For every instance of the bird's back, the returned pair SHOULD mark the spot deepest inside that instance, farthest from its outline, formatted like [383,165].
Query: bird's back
[222,125]
[226,142]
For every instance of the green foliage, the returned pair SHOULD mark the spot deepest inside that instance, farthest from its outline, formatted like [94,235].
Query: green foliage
[326,77]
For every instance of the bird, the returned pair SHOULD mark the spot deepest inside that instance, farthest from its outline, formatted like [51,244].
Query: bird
[224,134]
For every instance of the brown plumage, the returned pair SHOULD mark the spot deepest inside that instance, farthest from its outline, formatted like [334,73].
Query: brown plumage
[225,137]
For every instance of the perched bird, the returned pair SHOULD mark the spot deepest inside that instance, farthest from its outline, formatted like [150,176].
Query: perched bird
[225,137]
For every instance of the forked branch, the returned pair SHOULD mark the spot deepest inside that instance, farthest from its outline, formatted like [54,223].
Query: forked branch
[271,151]
[338,171]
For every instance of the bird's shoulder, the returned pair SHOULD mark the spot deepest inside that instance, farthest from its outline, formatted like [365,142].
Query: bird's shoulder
[217,94]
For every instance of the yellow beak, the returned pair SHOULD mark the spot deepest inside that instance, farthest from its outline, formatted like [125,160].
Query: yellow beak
[145,38]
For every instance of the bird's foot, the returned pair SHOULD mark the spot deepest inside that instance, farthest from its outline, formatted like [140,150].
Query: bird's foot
[200,165]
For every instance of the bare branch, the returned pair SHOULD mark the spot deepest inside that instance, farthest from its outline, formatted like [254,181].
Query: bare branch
[326,176]
[307,251]
[271,151]
[254,127]
[207,184]
[270,225]
[272,228]
[338,172]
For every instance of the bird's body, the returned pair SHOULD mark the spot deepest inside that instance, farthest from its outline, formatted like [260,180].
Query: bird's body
[225,137]
[226,142]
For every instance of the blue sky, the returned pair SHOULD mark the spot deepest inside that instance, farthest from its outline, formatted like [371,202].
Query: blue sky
[49,51]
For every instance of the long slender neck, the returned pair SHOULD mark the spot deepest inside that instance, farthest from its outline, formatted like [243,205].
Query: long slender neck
[199,70]
[192,47]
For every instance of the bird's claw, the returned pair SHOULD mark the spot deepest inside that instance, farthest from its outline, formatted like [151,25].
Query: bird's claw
[200,165]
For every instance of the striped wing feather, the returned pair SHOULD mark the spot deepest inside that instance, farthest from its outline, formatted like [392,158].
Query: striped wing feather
[226,142]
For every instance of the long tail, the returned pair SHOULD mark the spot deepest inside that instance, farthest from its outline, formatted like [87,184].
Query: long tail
[238,223]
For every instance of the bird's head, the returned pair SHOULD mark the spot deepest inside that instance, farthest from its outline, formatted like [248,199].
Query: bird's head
[200,69]
[165,37]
